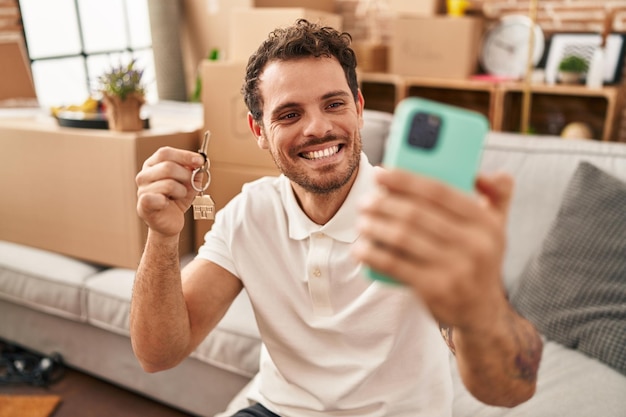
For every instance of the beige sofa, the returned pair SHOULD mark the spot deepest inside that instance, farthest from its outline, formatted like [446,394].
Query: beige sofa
[52,303]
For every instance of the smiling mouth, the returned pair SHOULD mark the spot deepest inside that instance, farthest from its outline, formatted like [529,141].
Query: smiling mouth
[321,154]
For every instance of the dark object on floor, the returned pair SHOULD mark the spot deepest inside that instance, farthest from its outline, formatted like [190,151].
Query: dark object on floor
[20,366]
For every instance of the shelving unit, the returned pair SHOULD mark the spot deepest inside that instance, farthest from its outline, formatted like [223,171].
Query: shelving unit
[382,91]
[552,106]
[555,106]
[479,96]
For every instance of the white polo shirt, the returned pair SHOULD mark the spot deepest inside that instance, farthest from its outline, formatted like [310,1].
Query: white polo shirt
[335,342]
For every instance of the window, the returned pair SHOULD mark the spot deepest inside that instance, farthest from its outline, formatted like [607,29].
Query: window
[87,37]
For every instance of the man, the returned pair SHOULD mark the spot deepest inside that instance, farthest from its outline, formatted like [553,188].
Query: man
[335,342]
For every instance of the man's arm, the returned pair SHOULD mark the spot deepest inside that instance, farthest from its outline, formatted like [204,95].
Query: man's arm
[172,312]
[448,247]
[516,351]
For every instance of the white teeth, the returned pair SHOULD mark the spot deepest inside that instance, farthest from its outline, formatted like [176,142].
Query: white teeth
[324,153]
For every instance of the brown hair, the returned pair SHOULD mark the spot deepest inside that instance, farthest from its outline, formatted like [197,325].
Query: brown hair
[301,40]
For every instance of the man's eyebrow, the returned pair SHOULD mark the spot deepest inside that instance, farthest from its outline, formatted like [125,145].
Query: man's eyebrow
[294,105]
[283,107]
[333,94]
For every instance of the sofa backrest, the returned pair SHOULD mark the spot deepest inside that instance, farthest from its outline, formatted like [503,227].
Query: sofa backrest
[374,133]
[542,167]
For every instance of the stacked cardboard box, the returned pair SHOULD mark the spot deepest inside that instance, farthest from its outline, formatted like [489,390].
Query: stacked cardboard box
[416,38]
[423,7]
[206,26]
[250,27]
[324,5]
[376,26]
[435,46]
[235,157]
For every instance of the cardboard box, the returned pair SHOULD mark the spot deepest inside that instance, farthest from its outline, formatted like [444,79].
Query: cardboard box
[324,5]
[250,27]
[371,57]
[204,27]
[423,7]
[226,182]
[72,191]
[437,47]
[16,82]
[225,115]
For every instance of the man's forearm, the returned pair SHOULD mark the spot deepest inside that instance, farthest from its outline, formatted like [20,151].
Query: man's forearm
[159,324]
[499,367]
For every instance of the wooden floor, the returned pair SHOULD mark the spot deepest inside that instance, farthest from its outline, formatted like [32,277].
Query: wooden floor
[86,396]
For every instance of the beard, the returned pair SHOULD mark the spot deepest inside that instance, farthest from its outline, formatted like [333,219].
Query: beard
[328,179]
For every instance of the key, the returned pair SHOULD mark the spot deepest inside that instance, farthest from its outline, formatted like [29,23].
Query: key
[203,207]
[204,148]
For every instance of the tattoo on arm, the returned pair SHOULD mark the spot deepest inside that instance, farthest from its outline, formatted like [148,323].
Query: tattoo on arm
[530,348]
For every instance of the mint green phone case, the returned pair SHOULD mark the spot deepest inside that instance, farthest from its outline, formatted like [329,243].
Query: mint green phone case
[455,156]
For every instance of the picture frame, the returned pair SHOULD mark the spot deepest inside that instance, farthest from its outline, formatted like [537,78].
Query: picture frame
[584,45]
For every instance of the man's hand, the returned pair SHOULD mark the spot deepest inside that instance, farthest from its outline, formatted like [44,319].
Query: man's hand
[164,189]
[448,247]
[445,244]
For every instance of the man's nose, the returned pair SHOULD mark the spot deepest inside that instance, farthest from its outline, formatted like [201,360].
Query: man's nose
[317,124]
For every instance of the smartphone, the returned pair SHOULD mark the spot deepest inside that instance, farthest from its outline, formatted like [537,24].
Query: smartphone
[436,140]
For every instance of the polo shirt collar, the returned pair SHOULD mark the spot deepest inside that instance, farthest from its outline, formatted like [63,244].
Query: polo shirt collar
[341,227]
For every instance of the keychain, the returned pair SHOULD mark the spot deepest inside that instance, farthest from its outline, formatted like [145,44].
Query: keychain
[203,205]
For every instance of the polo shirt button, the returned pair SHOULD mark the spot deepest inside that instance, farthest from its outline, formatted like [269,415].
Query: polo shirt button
[317,273]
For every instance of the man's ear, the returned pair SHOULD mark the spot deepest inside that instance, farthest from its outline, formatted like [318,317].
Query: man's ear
[257,131]
[360,105]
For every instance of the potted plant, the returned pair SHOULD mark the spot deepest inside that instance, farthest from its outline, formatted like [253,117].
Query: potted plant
[572,68]
[123,94]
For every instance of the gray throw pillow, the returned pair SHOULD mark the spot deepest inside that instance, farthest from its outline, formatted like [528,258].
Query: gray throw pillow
[574,288]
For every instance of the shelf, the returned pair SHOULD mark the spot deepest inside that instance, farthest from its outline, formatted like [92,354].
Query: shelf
[555,106]
[474,95]
[382,91]
[552,106]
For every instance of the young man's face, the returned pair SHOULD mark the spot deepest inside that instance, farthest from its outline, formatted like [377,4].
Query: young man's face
[311,123]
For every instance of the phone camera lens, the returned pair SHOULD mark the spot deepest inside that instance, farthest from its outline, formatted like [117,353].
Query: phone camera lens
[424,130]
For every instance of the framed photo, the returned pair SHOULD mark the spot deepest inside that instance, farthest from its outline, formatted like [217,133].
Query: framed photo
[584,45]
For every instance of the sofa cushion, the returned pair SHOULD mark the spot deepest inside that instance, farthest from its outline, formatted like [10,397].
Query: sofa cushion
[374,134]
[43,280]
[542,167]
[574,289]
[233,345]
[108,299]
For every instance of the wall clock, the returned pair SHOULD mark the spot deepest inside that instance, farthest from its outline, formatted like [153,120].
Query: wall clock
[504,51]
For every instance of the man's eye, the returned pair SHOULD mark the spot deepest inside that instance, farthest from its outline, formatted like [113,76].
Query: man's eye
[335,105]
[289,116]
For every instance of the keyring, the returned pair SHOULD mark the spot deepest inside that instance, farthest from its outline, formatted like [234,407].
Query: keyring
[203,205]
[195,172]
